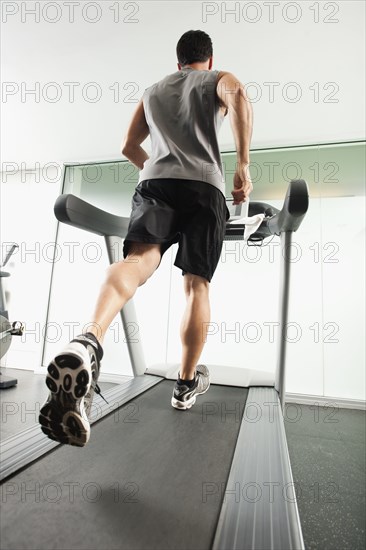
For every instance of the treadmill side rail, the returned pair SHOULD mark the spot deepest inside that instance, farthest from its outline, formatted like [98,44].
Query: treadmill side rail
[259,507]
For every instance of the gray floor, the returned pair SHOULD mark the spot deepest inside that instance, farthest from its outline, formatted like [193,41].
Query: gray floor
[327,451]
[20,404]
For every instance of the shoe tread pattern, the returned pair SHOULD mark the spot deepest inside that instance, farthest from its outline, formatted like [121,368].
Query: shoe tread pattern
[64,417]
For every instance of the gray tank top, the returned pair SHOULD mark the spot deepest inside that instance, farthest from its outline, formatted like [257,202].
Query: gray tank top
[183,114]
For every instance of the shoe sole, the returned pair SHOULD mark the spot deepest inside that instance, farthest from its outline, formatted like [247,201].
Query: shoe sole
[185,405]
[63,417]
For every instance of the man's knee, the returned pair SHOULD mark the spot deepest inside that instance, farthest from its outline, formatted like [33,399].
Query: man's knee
[146,257]
[115,277]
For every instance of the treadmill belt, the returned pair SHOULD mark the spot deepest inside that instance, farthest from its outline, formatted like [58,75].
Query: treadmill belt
[151,477]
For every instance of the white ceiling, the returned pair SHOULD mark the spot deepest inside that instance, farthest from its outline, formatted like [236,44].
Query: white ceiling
[324,60]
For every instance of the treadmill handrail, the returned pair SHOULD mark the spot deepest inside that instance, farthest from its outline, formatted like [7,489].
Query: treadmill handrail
[74,211]
[294,208]
[276,221]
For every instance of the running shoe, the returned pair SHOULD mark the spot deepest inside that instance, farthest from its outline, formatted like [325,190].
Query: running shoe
[72,380]
[184,397]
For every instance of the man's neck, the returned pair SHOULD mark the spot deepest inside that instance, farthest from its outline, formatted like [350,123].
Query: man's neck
[197,66]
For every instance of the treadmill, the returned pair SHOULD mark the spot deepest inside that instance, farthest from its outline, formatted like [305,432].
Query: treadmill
[215,477]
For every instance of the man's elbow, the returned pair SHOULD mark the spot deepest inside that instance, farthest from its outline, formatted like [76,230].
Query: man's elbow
[128,147]
[125,147]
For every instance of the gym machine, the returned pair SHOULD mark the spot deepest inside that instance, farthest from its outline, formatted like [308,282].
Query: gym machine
[7,329]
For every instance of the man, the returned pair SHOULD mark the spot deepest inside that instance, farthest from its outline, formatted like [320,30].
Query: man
[180,198]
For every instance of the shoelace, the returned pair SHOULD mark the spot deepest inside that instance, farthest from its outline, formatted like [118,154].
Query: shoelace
[99,392]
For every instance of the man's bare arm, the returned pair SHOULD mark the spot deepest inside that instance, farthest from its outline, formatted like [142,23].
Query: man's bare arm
[233,97]
[137,132]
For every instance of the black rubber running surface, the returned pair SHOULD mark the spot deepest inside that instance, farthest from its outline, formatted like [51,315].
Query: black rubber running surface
[151,477]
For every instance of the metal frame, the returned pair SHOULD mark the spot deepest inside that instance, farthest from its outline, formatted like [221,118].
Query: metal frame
[280,375]
[43,350]
[227,150]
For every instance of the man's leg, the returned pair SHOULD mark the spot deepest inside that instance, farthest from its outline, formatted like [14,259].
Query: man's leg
[194,323]
[123,279]
[72,375]
[193,379]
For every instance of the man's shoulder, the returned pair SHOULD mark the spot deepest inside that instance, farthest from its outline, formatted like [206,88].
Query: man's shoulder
[163,80]
[216,75]
[228,77]
[225,74]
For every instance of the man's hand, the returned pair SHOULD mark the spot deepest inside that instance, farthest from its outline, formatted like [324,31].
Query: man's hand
[242,185]
[137,132]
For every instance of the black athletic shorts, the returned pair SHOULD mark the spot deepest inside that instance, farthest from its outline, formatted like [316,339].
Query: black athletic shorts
[191,213]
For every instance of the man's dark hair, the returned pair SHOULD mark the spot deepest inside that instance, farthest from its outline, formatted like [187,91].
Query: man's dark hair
[194,46]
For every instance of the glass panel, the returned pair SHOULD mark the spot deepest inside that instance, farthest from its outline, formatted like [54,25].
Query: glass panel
[109,186]
[244,289]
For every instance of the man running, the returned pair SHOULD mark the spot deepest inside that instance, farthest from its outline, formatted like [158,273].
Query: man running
[180,198]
